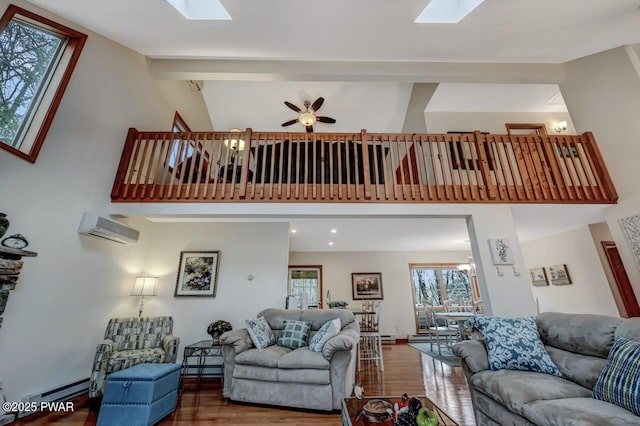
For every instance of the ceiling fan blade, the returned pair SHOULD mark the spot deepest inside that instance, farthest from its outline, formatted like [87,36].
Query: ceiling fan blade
[292,106]
[289,123]
[317,104]
[325,119]
[309,129]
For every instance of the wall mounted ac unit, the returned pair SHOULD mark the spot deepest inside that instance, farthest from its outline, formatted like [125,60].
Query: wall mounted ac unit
[109,229]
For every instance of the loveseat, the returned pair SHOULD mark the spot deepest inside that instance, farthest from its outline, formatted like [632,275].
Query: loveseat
[579,345]
[128,342]
[299,377]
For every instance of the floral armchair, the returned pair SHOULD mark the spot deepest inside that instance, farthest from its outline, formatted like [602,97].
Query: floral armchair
[131,341]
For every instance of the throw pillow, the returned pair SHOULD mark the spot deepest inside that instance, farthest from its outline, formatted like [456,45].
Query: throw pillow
[294,334]
[619,381]
[326,332]
[260,332]
[514,344]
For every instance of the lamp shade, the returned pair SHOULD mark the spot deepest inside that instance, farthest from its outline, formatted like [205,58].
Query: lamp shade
[145,286]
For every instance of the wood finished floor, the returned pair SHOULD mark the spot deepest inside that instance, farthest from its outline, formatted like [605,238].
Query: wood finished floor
[406,370]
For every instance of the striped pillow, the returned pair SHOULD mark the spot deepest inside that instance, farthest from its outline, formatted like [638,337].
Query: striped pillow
[619,381]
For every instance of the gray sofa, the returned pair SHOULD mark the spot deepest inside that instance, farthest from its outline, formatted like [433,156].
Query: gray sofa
[579,345]
[292,378]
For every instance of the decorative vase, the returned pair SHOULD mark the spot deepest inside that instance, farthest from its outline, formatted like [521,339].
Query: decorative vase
[4,224]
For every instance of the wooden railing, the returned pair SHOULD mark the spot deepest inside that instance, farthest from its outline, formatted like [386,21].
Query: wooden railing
[361,167]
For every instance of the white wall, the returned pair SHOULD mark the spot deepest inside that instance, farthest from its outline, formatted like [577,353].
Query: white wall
[492,122]
[590,292]
[258,249]
[602,91]
[64,296]
[397,309]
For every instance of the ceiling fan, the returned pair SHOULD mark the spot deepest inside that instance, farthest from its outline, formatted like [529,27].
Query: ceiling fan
[308,117]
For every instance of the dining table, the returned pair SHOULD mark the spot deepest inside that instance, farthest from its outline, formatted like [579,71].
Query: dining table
[459,317]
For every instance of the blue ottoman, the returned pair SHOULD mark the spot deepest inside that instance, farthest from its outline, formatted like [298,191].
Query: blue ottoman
[140,396]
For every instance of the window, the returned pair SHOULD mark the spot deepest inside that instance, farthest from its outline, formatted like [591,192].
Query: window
[37,58]
[437,284]
[306,281]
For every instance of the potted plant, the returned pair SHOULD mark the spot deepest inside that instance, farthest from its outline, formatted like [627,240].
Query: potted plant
[341,304]
[215,329]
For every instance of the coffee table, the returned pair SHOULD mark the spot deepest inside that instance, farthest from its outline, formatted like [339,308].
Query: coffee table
[351,407]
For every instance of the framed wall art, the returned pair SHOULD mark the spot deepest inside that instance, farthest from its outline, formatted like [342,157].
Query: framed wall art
[197,273]
[366,285]
[631,230]
[501,252]
[538,277]
[558,274]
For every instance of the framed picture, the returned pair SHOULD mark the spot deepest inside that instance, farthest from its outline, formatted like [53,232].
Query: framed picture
[366,285]
[501,252]
[197,273]
[538,277]
[558,274]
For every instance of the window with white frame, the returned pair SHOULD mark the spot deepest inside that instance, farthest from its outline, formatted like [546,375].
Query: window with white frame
[305,282]
[37,57]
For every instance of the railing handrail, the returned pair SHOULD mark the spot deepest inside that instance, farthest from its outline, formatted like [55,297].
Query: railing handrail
[363,166]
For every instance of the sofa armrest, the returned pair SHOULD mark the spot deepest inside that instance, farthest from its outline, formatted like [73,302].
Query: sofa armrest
[344,341]
[99,368]
[239,339]
[473,354]
[170,345]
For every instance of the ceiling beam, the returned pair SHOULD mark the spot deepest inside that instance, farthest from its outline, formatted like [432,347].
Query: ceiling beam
[406,72]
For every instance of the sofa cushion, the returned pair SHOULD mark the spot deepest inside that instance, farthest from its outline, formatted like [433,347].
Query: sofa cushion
[268,357]
[255,372]
[303,358]
[260,332]
[581,369]
[579,333]
[578,412]
[514,389]
[304,375]
[294,335]
[514,344]
[619,382]
[326,332]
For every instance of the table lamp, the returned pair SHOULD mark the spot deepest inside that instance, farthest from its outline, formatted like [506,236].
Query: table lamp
[144,286]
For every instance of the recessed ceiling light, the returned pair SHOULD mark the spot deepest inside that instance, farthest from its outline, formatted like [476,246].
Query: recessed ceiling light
[446,11]
[330,243]
[293,231]
[201,9]
[333,231]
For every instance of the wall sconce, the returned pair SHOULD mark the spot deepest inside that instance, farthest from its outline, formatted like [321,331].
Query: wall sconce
[234,144]
[144,286]
[561,126]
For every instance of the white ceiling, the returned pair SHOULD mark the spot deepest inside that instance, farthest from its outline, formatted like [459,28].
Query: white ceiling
[382,31]
[543,31]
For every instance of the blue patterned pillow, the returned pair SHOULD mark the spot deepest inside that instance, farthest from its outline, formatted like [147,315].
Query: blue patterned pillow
[514,344]
[326,332]
[294,334]
[260,333]
[619,381]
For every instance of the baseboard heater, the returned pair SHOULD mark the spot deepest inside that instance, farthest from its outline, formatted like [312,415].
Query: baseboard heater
[388,339]
[62,393]
[418,338]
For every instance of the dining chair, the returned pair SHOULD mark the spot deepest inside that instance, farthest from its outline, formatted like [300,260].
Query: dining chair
[441,332]
[370,345]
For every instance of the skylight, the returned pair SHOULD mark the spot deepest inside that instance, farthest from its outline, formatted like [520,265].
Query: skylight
[446,11]
[201,9]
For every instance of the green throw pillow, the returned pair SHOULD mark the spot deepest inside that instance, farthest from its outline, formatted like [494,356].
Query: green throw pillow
[294,334]
[619,381]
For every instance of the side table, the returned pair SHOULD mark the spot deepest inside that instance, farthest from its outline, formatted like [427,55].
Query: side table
[202,350]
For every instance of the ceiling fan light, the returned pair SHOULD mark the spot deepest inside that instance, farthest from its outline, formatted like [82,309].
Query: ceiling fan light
[233,143]
[307,119]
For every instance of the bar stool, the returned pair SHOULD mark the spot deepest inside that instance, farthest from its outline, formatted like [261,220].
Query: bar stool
[370,345]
